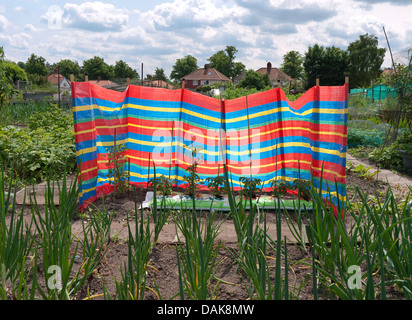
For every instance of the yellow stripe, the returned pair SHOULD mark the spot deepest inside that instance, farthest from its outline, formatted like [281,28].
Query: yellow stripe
[196,114]
[216,153]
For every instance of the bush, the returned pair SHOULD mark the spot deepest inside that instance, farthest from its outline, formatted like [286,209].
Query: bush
[46,145]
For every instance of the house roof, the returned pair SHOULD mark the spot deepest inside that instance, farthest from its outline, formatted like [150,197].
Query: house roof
[104,83]
[158,84]
[274,74]
[206,73]
[54,79]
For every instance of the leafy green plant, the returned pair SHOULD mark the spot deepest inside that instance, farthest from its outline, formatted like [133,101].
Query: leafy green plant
[163,185]
[215,186]
[404,142]
[197,254]
[279,188]
[134,272]
[364,172]
[15,243]
[387,157]
[192,180]
[250,187]
[117,172]
[46,145]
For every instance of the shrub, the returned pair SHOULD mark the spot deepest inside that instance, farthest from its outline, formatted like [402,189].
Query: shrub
[47,144]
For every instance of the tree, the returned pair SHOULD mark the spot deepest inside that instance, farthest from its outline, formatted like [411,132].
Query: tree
[253,79]
[183,67]
[330,64]
[365,61]
[334,66]
[223,61]
[293,65]
[159,74]
[67,66]
[96,67]
[37,66]
[123,70]
[14,72]
[6,87]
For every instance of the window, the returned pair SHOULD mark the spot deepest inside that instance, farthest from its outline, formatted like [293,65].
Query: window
[195,82]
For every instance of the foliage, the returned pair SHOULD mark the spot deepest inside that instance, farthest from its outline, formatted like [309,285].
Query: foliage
[117,172]
[363,171]
[192,180]
[96,67]
[329,63]
[250,187]
[6,87]
[47,144]
[253,79]
[279,188]
[67,66]
[163,185]
[224,61]
[365,60]
[293,65]
[404,142]
[14,72]
[216,185]
[36,65]
[122,70]
[204,89]
[401,82]
[366,133]
[387,157]
[159,74]
[183,67]
[232,92]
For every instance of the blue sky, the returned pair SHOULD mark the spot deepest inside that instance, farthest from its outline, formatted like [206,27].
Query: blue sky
[157,32]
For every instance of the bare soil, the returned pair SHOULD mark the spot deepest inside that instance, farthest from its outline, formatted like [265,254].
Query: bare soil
[230,280]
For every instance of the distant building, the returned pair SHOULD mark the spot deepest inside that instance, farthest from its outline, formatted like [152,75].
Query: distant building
[104,83]
[274,74]
[204,76]
[54,78]
[158,84]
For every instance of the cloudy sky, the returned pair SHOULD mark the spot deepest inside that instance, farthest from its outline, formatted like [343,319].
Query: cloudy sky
[157,32]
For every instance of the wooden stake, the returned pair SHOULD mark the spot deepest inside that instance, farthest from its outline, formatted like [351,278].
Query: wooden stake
[171,148]
[148,175]
[248,133]
[317,81]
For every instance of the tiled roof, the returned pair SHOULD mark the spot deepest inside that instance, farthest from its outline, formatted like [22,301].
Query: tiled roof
[54,79]
[275,74]
[104,83]
[206,73]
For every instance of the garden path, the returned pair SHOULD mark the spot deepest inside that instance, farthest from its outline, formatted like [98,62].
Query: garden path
[399,184]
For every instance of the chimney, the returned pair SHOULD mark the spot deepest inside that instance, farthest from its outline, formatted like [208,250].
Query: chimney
[99,79]
[207,66]
[269,68]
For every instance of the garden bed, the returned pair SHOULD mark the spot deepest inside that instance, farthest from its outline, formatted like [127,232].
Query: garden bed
[230,280]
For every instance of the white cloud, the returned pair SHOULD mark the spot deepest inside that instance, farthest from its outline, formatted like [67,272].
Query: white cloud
[95,16]
[3,23]
[30,28]
[19,9]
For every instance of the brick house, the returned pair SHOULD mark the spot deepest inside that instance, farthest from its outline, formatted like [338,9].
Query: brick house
[203,76]
[54,79]
[274,74]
